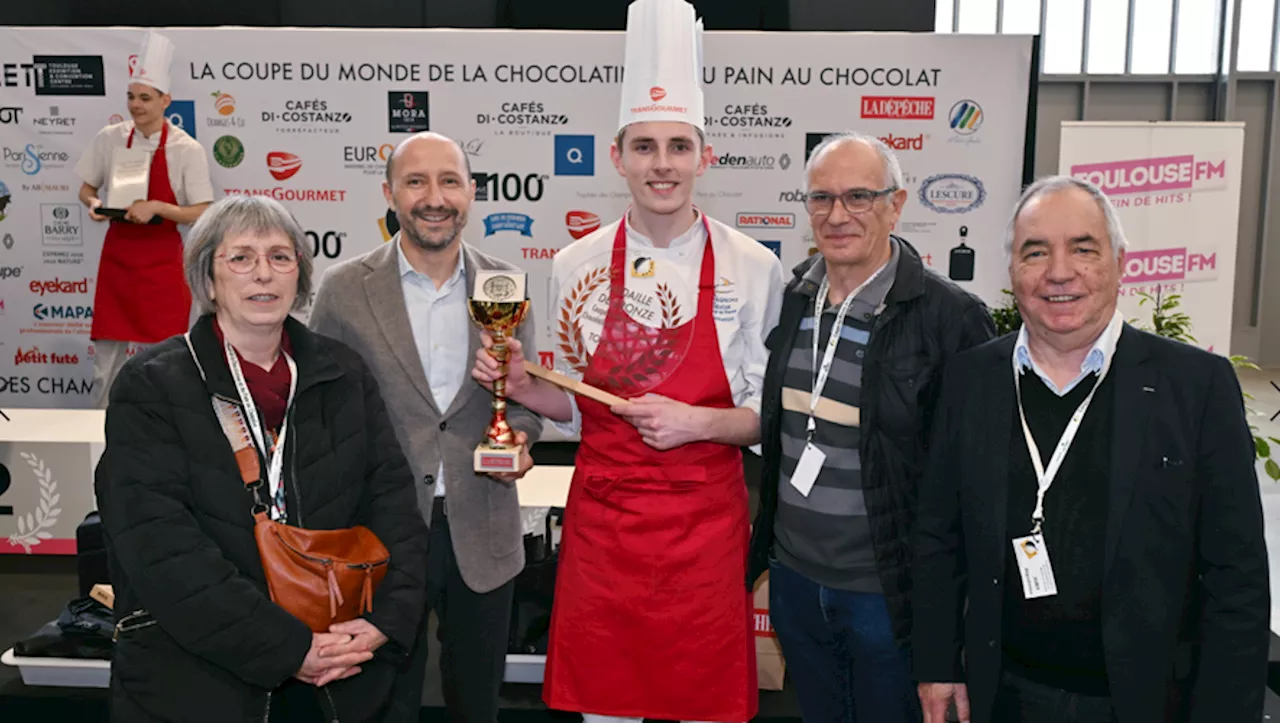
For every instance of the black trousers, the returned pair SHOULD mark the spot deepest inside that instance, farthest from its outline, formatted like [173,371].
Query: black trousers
[472,634]
[1024,701]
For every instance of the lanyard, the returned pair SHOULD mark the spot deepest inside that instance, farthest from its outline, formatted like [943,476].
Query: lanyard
[276,466]
[1046,475]
[820,374]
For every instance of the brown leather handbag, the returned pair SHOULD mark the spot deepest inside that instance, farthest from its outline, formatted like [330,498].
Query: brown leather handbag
[322,577]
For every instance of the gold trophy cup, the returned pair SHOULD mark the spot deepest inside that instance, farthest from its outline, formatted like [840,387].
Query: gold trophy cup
[498,305]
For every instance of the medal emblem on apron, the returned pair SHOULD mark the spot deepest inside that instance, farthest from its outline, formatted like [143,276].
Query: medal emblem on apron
[641,319]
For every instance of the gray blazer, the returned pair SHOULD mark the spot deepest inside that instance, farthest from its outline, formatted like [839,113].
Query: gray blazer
[361,303]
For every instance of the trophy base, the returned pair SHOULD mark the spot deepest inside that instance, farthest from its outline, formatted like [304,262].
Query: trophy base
[489,459]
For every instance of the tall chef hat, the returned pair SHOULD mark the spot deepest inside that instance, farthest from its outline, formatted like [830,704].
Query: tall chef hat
[154,58]
[662,79]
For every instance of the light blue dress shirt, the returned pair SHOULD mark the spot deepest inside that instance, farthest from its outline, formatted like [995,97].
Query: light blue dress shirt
[441,328]
[1103,348]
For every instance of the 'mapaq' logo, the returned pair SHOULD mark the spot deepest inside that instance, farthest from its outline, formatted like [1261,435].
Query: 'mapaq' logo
[408,111]
[283,165]
[43,312]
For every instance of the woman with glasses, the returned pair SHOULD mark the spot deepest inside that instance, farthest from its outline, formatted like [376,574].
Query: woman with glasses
[198,637]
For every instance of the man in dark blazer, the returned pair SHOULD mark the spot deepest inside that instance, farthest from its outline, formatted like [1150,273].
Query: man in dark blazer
[403,306]
[1137,590]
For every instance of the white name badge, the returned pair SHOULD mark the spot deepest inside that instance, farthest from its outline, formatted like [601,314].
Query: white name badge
[1033,566]
[130,177]
[807,468]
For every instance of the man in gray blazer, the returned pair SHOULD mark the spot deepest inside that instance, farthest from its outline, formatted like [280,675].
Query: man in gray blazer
[403,307]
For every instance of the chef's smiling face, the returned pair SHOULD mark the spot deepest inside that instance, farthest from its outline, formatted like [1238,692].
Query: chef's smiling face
[146,104]
[660,161]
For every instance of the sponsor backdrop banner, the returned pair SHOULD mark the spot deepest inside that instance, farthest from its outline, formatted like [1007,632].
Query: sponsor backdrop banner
[1176,188]
[309,117]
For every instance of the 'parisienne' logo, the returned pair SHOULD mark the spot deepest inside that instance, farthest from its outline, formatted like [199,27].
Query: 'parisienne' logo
[1156,175]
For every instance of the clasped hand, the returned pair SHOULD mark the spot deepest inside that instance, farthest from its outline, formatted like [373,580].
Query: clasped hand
[337,654]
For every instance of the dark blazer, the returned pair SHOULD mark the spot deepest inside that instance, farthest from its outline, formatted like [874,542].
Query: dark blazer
[1186,562]
[926,320]
[211,645]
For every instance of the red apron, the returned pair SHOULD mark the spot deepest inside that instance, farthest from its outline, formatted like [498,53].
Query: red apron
[651,616]
[142,295]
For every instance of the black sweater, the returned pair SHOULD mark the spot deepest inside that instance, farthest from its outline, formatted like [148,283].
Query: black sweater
[1057,640]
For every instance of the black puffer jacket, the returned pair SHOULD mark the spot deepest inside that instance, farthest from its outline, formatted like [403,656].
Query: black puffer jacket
[179,532]
[926,320]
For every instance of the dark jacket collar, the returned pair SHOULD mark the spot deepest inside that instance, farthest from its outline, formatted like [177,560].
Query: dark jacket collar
[908,282]
[315,364]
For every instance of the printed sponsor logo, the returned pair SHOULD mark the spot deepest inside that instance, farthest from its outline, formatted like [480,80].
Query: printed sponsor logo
[35,356]
[538,253]
[747,116]
[228,151]
[1156,175]
[308,115]
[368,160]
[182,114]
[904,143]
[283,165]
[575,155]
[512,187]
[55,123]
[57,75]
[774,246]
[519,222]
[33,158]
[581,223]
[59,286]
[966,117]
[766,220]
[224,105]
[1165,265]
[60,224]
[408,111]
[952,193]
[898,107]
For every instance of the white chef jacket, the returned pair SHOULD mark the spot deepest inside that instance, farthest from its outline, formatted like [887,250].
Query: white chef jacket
[188,164]
[749,289]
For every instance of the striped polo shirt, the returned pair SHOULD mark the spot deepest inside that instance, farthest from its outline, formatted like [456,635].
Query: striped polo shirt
[826,536]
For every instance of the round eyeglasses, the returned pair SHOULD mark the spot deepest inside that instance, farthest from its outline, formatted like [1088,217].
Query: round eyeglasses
[855,200]
[243,261]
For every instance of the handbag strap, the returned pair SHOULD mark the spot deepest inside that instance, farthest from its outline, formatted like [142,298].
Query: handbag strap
[233,424]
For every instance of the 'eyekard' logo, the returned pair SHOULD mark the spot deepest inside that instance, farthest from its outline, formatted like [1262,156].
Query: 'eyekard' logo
[1156,175]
